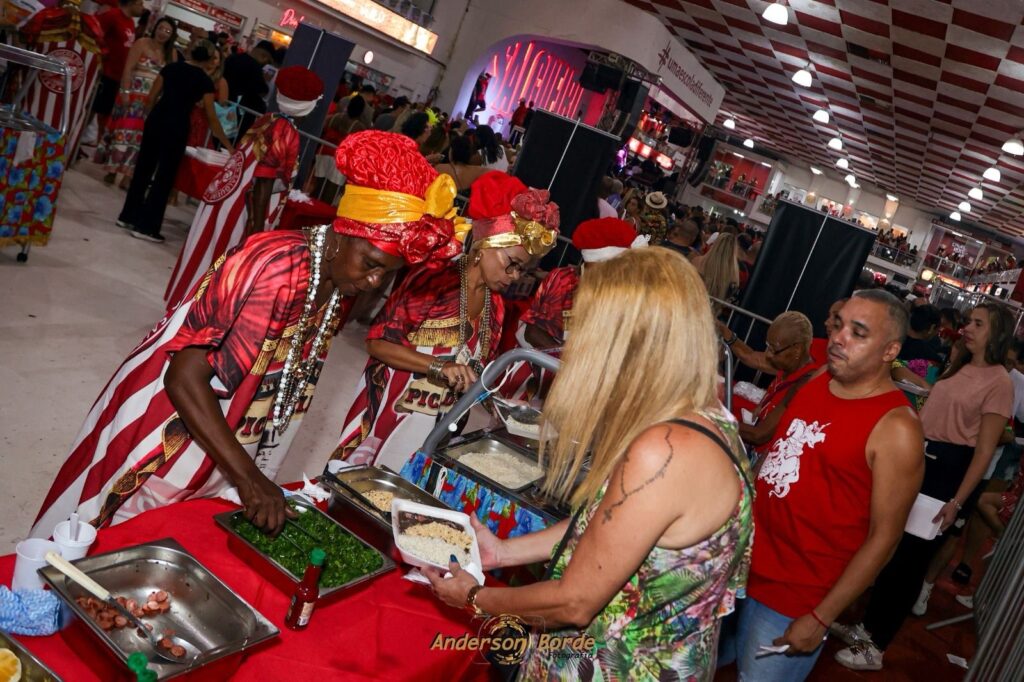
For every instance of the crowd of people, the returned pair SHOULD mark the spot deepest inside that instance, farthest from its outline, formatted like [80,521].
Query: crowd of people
[658,560]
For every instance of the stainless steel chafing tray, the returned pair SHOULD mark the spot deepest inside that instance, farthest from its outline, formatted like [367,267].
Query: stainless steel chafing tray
[492,445]
[32,670]
[358,481]
[230,521]
[204,611]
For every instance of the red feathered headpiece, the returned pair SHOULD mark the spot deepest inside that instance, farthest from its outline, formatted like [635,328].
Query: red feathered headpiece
[395,199]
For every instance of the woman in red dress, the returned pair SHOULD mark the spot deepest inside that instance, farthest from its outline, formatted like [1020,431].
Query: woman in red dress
[442,325]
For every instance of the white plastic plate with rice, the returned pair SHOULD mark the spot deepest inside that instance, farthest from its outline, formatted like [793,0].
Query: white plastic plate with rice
[427,537]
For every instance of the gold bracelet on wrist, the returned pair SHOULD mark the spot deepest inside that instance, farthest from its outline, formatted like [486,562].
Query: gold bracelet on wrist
[471,601]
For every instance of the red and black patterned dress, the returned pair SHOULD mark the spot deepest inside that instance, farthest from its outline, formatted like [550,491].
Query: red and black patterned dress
[549,311]
[394,410]
[134,451]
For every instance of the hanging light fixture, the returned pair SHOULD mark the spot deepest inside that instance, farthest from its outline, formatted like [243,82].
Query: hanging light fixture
[955,215]
[1014,146]
[965,206]
[815,170]
[992,174]
[843,164]
[835,143]
[730,123]
[748,143]
[776,13]
[803,79]
[976,193]
[892,197]
[851,179]
[821,116]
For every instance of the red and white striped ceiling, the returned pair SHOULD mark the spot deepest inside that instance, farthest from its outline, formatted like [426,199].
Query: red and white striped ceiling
[923,92]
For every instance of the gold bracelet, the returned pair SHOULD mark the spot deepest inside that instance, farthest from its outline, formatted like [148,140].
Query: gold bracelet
[471,601]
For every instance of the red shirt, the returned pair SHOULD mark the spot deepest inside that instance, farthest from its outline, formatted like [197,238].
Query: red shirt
[118,36]
[552,303]
[812,506]
[819,352]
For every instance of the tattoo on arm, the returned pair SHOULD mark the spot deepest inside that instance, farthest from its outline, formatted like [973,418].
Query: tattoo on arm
[660,473]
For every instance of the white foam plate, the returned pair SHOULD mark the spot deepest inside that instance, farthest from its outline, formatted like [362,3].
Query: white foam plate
[400,507]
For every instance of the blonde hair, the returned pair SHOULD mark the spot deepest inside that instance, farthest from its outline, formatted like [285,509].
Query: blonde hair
[642,351]
[720,268]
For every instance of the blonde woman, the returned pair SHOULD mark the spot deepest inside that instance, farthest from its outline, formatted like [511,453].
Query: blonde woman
[659,542]
[720,268]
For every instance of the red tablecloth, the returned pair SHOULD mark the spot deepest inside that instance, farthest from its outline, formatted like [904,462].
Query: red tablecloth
[295,215]
[194,176]
[380,631]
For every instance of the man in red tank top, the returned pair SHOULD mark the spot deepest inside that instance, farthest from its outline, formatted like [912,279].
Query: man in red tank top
[833,493]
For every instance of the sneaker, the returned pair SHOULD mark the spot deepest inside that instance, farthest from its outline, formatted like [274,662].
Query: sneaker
[962,574]
[861,656]
[155,238]
[921,605]
[966,600]
[122,224]
[850,634]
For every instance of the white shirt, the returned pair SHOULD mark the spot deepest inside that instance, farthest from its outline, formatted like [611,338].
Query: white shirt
[1018,394]
[605,210]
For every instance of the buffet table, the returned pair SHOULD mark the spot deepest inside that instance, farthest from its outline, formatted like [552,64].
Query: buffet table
[380,630]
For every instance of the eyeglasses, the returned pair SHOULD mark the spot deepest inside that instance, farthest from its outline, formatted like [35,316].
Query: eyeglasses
[514,267]
[776,351]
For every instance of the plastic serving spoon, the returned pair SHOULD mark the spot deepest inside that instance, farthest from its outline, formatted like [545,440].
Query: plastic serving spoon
[101,593]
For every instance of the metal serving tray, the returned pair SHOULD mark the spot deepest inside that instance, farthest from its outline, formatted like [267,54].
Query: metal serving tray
[204,611]
[358,481]
[32,670]
[230,520]
[491,445]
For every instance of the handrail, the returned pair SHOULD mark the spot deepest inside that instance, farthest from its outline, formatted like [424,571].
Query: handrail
[44,63]
[742,311]
[491,374]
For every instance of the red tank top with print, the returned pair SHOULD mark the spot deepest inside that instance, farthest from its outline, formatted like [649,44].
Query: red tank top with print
[813,496]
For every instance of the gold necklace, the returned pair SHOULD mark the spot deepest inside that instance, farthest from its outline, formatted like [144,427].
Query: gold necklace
[484,334]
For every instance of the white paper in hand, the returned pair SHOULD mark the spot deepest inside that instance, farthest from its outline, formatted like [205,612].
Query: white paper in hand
[920,522]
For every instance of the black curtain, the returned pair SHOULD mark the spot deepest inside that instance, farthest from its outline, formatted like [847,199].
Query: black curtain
[807,262]
[587,159]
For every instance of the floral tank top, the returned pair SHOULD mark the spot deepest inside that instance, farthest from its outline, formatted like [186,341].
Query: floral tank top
[664,623]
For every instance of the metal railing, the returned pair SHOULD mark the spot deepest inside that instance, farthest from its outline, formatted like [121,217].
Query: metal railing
[895,255]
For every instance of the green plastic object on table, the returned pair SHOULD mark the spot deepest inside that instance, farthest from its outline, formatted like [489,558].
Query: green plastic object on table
[139,664]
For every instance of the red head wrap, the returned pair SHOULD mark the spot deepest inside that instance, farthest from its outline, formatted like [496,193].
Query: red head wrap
[500,204]
[299,83]
[394,198]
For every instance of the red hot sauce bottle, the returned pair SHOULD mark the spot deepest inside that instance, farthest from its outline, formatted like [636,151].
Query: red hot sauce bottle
[304,599]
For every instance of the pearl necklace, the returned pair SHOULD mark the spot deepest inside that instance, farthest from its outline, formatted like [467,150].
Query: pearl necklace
[296,372]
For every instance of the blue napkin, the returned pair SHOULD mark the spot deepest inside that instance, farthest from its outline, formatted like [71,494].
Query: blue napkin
[29,612]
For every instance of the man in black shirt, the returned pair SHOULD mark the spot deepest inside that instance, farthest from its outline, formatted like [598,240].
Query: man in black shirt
[244,74]
[922,342]
[684,237]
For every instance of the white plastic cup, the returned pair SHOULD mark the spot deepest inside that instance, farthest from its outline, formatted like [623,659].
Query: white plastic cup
[74,549]
[30,558]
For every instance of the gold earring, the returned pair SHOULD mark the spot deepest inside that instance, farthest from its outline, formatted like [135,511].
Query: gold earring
[331,256]
[478,257]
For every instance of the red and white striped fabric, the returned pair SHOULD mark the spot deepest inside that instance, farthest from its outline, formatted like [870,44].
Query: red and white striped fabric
[269,150]
[45,98]
[134,451]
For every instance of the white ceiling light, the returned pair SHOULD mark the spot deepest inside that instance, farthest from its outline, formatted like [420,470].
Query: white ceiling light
[368,57]
[976,193]
[748,143]
[815,170]
[992,174]
[821,116]
[730,123]
[965,206]
[1014,146]
[851,179]
[892,197]
[776,13]
[842,163]
[803,79]
[835,143]
[955,215]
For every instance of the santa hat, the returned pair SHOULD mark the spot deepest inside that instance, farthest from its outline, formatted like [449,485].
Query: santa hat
[395,199]
[602,238]
[506,213]
[298,90]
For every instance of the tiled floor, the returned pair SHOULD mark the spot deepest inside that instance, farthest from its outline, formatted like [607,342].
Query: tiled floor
[67,319]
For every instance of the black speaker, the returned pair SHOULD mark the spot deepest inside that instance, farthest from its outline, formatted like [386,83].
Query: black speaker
[599,78]
[573,177]
[705,148]
[681,136]
[630,93]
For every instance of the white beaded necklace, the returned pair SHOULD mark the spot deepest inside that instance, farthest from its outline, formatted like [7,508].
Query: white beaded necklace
[297,371]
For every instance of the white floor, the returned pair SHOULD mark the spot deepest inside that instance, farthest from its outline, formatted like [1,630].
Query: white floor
[67,319]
